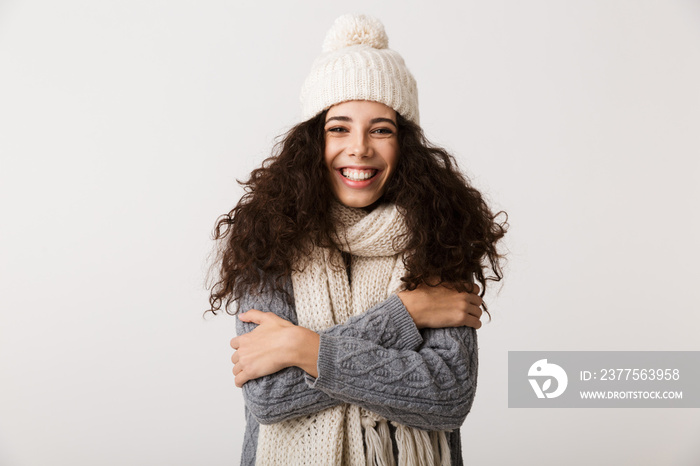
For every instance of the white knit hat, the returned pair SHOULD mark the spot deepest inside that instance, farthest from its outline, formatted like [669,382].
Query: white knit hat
[357,65]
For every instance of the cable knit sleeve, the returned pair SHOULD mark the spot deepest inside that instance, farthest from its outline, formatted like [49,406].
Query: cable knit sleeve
[431,387]
[286,394]
[378,360]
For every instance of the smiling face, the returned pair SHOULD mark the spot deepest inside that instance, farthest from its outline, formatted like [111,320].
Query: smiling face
[362,150]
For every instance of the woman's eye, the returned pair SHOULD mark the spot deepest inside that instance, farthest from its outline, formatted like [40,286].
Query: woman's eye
[336,129]
[383,131]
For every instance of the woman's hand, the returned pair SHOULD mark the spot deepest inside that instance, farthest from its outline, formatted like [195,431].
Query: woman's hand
[439,307]
[273,345]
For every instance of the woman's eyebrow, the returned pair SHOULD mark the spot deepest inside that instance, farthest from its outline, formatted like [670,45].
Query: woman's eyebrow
[383,120]
[372,121]
[339,118]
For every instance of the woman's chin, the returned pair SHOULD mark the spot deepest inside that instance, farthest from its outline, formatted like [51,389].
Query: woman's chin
[359,202]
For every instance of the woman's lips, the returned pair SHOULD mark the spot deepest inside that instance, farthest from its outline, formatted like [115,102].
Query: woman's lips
[358,174]
[357,177]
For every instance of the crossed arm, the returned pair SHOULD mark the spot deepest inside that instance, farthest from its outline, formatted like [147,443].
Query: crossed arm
[379,360]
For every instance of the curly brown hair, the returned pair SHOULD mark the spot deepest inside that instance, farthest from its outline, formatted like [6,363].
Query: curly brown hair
[453,234]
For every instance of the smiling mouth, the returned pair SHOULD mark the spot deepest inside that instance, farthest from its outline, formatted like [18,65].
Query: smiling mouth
[354,174]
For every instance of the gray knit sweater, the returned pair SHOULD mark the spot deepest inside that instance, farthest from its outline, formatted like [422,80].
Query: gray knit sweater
[378,360]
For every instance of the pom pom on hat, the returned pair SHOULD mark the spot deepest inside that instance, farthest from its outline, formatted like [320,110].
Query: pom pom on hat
[351,30]
[356,64]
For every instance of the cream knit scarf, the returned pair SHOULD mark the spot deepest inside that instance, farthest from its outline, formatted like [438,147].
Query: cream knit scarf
[324,297]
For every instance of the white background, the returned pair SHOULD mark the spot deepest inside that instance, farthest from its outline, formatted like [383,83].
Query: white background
[124,125]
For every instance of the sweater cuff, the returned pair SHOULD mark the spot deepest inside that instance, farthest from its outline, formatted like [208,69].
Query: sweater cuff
[326,366]
[409,336]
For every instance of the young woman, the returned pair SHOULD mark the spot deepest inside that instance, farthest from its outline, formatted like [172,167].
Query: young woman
[354,258]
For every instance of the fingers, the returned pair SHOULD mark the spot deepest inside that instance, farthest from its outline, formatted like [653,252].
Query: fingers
[253,316]
[245,370]
[237,370]
[474,299]
[473,292]
[470,303]
[475,311]
[470,316]
[473,322]
[240,379]
[236,360]
[444,306]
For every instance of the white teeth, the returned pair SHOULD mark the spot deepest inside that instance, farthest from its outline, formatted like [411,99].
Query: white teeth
[357,175]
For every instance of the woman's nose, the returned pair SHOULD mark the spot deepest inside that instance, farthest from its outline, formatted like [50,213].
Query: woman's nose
[359,146]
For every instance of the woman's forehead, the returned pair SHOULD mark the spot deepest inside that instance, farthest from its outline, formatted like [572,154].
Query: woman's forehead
[361,109]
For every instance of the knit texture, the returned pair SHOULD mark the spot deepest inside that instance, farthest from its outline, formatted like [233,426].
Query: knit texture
[356,64]
[348,434]
[423,379]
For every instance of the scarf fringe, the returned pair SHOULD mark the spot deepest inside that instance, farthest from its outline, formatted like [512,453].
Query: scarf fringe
[379,451]
[422,448]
